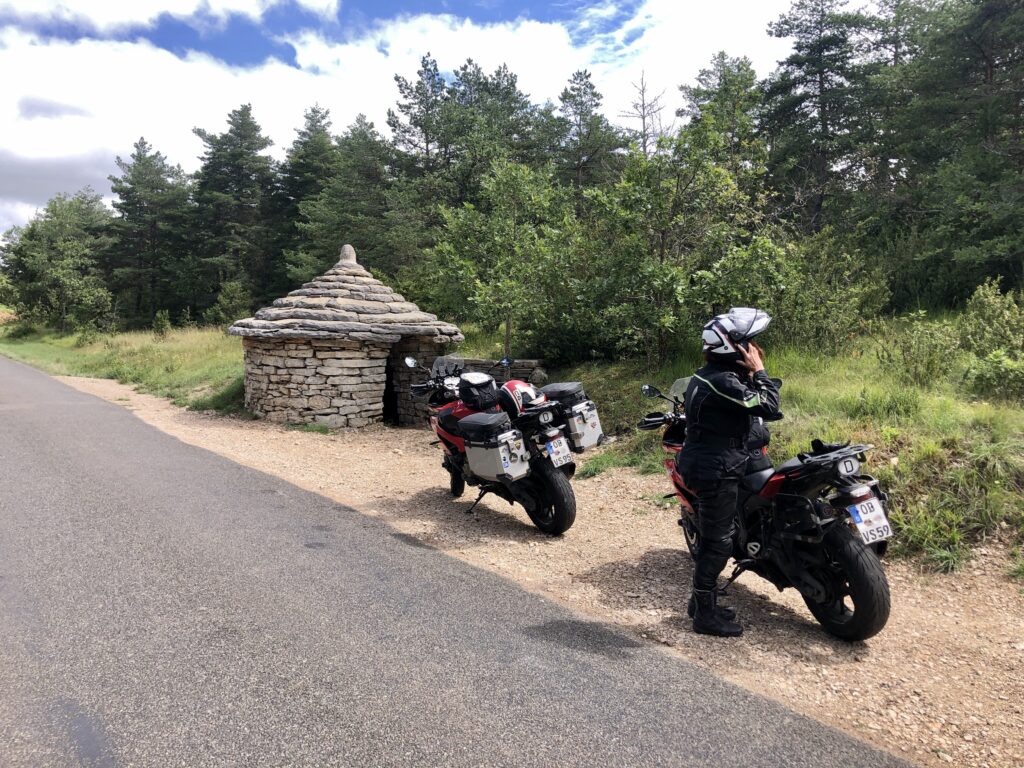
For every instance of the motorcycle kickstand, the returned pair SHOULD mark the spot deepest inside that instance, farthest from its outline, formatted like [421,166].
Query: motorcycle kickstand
[741,566]
[478,500]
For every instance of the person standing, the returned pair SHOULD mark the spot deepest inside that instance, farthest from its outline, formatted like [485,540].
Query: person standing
[723,402]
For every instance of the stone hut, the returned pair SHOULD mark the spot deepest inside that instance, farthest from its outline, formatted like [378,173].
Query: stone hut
[332,351]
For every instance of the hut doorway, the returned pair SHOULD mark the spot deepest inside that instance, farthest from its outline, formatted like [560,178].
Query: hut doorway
[390,393]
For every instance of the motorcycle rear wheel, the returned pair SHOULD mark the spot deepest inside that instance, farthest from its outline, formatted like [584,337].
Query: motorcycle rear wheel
[855,576]
[556,509]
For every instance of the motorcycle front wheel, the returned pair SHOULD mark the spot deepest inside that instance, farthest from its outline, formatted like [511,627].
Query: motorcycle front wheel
[556,503]
[857,602]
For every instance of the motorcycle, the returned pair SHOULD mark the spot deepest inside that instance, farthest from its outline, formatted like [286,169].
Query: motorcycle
[815,523]
[517,442]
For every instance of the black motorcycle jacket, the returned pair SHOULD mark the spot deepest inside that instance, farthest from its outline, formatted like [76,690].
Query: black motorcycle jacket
[721,409]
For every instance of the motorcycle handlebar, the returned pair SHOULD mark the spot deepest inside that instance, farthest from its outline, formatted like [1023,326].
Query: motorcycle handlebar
[657,420]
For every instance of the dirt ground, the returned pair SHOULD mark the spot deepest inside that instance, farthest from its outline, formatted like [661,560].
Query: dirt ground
[943,684]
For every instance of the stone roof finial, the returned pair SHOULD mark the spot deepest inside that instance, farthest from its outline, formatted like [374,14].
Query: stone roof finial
[348,255]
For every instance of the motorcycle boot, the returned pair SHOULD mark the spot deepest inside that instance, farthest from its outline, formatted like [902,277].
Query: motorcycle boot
[727,612]
[707,620]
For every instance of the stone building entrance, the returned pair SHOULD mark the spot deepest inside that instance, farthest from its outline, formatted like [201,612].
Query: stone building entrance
[331,352]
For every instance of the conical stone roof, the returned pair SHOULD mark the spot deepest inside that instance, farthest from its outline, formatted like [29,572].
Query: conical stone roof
[345,303]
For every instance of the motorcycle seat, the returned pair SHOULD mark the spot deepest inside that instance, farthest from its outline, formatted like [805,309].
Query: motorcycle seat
[794,463]
[755,481]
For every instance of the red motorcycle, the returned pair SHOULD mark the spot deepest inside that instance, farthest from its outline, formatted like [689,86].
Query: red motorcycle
[815,523]
[517,441]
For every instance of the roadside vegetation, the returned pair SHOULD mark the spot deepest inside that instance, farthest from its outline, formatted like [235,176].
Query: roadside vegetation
[199,368]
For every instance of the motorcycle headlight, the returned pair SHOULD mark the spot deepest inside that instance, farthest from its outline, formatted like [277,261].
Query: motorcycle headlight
[546,417]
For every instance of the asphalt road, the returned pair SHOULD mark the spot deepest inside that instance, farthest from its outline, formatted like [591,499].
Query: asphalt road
[161,605]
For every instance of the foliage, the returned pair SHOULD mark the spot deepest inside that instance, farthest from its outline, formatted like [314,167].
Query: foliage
[162,324]
[141,267]
[233,303]
[999,375]
[916,351]
[993,321]
[52,263]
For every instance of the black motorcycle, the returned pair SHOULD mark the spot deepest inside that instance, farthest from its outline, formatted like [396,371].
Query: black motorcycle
[815,523]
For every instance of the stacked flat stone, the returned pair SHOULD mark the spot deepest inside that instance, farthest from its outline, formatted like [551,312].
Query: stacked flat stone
[345,303]
[322,353]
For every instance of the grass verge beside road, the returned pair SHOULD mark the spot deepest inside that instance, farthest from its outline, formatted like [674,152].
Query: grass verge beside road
[198,368]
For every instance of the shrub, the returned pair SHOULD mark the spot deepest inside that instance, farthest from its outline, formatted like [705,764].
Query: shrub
[162,324]
[998,375]
[233,302]
[992,321]
[86,335]
[915,350]
[21,329]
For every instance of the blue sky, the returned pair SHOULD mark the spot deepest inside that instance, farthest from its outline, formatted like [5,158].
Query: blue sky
[83,79]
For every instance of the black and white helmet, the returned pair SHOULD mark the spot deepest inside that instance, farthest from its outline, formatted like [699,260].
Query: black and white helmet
[724,333]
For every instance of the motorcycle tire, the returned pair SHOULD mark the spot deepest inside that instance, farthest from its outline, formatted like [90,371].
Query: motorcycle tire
[556,511]
[856,576]
[457,484]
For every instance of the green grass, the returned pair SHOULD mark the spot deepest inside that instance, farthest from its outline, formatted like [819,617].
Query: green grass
[197,368]
[954,466]
[481,343]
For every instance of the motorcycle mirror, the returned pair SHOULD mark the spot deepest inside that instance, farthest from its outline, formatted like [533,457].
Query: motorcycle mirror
[410,362]
[506,362]
[648,391]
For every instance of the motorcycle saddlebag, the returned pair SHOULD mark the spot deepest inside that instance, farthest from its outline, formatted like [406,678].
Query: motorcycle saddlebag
[494,449]
[568,393]
[478,391]
[584,425]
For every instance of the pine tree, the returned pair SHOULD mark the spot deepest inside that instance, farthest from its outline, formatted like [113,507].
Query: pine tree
[150,234]
[350,209]
[313,161]
[233,190]
[590,143]
[812,106]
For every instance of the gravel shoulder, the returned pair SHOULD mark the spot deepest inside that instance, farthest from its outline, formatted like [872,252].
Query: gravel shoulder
[943,684]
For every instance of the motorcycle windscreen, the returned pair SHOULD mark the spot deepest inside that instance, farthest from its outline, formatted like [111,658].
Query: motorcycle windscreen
[678,388]
[447,365]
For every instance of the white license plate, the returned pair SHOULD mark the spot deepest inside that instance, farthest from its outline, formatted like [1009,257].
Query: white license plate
[871,521]
[559,452]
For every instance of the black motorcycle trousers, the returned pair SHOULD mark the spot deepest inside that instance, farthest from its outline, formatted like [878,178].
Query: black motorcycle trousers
[716,512]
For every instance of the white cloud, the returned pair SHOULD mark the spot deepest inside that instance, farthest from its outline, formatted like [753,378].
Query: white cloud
[105,94]
[105,15]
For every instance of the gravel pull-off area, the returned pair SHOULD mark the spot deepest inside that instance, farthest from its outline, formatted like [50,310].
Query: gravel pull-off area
[943,684]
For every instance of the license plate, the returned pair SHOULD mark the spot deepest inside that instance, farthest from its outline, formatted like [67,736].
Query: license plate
[559,452]
[871,521]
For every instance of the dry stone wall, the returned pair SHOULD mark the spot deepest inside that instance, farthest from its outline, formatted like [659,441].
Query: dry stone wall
[333,382]
[414,412]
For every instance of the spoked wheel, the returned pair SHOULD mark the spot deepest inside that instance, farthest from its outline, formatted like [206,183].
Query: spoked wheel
[856,604]
[556,509]
[691,534]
